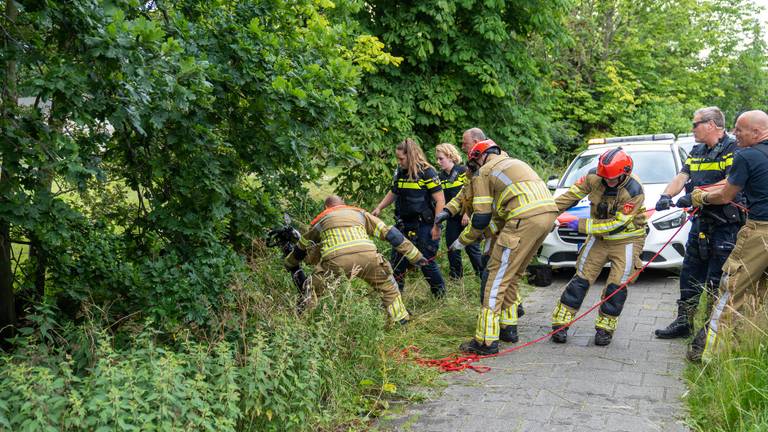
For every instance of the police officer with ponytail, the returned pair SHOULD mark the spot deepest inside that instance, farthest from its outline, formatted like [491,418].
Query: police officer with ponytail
[714,227]
[418,197]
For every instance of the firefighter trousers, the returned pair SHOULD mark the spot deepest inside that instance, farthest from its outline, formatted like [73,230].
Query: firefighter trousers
[369,266]
[624,257]
[741,292]
[513,248]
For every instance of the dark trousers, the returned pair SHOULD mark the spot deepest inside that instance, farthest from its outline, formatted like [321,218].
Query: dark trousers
[452,230]
[421,235]
[704,259]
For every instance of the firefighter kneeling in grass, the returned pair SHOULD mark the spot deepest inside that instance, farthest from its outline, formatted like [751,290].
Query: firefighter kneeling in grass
[616,233]
[509,193]
[342,232]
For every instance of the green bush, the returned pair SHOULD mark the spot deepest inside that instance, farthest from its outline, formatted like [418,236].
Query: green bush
[141,388]
[257,366]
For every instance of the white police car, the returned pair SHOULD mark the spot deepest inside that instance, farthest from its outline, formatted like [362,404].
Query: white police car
[657,159]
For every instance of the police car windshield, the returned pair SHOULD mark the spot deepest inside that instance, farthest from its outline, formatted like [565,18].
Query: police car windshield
[650,166]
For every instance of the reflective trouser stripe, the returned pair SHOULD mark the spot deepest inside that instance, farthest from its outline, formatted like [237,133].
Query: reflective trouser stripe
[397,310]
[629,263]
[487,329]
[714,322]
[606,322]
[562,314]
[499,276]
[585,253]
[509,315]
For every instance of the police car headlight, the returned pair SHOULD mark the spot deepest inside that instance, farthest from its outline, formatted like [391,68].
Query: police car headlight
[671,221]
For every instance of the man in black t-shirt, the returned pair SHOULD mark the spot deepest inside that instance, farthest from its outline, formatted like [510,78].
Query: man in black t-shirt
[740,288]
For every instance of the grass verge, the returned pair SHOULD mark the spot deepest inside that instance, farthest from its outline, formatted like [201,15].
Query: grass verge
[730,393]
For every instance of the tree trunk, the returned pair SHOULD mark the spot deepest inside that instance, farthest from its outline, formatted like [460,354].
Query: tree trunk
[7,300]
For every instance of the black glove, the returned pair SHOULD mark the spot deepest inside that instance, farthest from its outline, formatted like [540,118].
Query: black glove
[443,215]
[664,202]
[684,201]
[422,262]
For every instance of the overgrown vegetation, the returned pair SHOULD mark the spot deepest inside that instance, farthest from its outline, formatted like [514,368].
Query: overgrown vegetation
[258,367]
[731,392]
[148,144]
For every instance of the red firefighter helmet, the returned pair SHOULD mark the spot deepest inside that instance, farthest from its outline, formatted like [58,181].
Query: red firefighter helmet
[614,163]
[479,148]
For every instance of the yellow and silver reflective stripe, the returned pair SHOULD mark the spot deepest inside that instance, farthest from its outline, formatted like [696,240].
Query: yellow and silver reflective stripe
[576,190]
[379,229]
[626,234]
[629,248]
[598,228]
[479,200]
[349,244]
[397,310]
[530,195]
[335,239]
[714,323]
[487,329]
[562,315]
[454,206]
[606,323]
[509,315]
[412,254]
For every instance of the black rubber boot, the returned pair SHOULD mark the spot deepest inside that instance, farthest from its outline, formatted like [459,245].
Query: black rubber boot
[681,327]
[474,347]
[696,348]
[520,310]
[603,337]
[561,336]
[509,334]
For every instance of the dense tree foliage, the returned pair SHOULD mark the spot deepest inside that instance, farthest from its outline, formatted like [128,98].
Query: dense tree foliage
[644,66]
[147,144]
[161,136]
[465,63]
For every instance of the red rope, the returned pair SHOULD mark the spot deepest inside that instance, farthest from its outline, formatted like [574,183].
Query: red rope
[460,362]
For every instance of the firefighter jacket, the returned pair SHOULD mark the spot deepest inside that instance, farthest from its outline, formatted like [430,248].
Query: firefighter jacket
[616,213]
[706,166]
[503,189]
[462,201]
[342,230]
[414,201]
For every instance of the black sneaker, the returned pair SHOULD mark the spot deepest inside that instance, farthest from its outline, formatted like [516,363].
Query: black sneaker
[561,336]
[696,348]
[509,334]
[520,310]
[475,347]
[603,337]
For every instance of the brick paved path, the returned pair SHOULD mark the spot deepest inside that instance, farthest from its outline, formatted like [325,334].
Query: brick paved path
[633,384]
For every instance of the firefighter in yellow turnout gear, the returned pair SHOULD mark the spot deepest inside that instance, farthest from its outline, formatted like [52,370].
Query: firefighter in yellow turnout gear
[346,249]
[615,234]
[509,194]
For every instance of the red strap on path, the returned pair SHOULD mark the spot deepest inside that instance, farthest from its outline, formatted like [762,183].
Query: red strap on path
[460,362]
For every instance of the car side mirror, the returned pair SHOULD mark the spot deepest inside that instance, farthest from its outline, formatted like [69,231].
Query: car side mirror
[552,183]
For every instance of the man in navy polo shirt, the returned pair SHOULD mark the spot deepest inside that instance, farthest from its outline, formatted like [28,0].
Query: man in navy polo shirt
[740,290]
